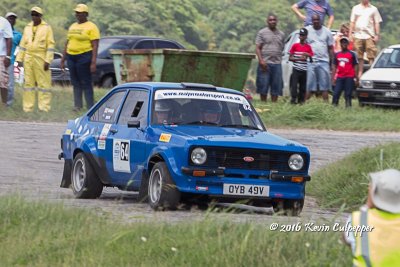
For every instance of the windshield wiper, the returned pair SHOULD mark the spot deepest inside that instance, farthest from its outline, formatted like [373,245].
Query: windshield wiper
[201,122]
[241,126]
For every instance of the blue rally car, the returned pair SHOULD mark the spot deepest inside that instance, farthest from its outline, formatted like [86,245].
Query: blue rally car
[182,143]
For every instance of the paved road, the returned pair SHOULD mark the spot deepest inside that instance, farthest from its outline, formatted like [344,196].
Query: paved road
[29,165]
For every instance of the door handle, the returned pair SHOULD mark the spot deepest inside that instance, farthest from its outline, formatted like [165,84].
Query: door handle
[113,130]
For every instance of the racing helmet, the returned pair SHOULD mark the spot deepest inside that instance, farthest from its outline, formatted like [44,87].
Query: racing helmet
[211,111]
[162,111]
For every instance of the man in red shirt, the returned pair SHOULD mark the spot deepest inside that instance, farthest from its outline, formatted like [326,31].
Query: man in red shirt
[345,66]
[299,53]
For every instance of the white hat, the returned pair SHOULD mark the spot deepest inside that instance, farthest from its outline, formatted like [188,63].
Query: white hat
[9,14]
[386,190]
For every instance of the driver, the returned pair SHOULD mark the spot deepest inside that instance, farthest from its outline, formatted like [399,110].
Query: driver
[162,112]
[211,112]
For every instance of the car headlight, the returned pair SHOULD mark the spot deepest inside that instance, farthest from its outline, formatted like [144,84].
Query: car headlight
[198,156]
[366,84]
[296,162]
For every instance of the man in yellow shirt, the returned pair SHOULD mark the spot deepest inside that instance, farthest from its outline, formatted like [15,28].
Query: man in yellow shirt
[81,54]
[36,53]
[378,246]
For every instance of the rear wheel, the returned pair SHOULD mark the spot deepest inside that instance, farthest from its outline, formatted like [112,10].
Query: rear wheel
[85,183]
[163,193]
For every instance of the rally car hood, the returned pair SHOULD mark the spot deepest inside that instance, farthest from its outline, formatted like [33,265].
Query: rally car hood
[232,137]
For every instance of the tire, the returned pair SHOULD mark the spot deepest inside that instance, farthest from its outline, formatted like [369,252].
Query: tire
[289,207]
[108,82]
[84,182]
[162,192]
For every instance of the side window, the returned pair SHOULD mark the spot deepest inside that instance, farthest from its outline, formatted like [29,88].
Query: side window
[147,44]
[135,108]
[107,112]
[166,44]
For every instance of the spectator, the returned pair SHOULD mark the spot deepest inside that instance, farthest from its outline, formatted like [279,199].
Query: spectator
[314,7]
[36,53]
[345,67]
[365,22]
[81,54]
[318,71]
[378,244]
[12,18]
[299,54]
[269,47]
[5,56]
[344,32]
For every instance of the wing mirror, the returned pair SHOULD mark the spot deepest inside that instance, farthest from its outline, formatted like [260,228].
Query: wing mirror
[133,124]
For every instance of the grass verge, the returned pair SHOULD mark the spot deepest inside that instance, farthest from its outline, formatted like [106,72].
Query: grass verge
[316,114]
[38,234]
[61,106]
[345,182]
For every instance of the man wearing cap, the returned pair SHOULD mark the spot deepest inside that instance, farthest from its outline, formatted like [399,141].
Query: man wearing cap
[381,246]
[36,53]
[12,18]
[81,54]
[300,53]
[344,73]
[5,56]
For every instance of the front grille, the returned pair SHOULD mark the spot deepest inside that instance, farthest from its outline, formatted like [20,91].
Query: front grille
[386,85]
[233,158]
[58,73]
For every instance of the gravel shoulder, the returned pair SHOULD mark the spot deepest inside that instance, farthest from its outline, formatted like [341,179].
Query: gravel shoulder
[29,166]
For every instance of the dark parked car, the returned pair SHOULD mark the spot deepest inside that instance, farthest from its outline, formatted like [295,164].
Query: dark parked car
[105,74]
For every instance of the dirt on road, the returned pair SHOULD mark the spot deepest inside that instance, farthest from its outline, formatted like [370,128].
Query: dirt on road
[29,166]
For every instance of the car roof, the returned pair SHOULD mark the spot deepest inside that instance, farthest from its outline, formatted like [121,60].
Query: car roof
[394,46]
[134,37]
[152,86]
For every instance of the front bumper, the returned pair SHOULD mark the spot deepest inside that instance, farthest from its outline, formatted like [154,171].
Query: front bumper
[379,97]
[210,181]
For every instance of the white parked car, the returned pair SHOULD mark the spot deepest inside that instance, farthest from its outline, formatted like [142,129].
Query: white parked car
[380,85]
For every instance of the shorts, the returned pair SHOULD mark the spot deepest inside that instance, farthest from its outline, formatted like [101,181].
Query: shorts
[270,79]
[365,45]
[3,73]
[318,76]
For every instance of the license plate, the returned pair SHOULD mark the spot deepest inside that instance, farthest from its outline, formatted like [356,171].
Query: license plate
[246,190]
[392,94]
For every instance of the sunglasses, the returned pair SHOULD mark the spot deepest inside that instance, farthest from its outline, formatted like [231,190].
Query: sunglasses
[35,14]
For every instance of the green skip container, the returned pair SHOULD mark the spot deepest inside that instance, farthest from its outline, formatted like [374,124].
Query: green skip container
[170,65]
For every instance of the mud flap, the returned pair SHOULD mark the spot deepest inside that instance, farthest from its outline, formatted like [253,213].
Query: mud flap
[66,178]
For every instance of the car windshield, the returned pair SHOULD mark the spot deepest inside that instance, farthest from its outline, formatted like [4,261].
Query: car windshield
[389,58]
[210,108]
[110,43]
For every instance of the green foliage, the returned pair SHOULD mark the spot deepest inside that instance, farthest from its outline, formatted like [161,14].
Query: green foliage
[225,25]
[39,234]
[345,182]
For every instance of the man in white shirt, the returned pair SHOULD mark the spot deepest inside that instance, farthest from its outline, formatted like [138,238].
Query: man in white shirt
[6,36]
[365,23]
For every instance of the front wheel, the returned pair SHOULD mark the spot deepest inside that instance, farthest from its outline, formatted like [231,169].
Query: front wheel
[163,193]
[85,183]
[289,207]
